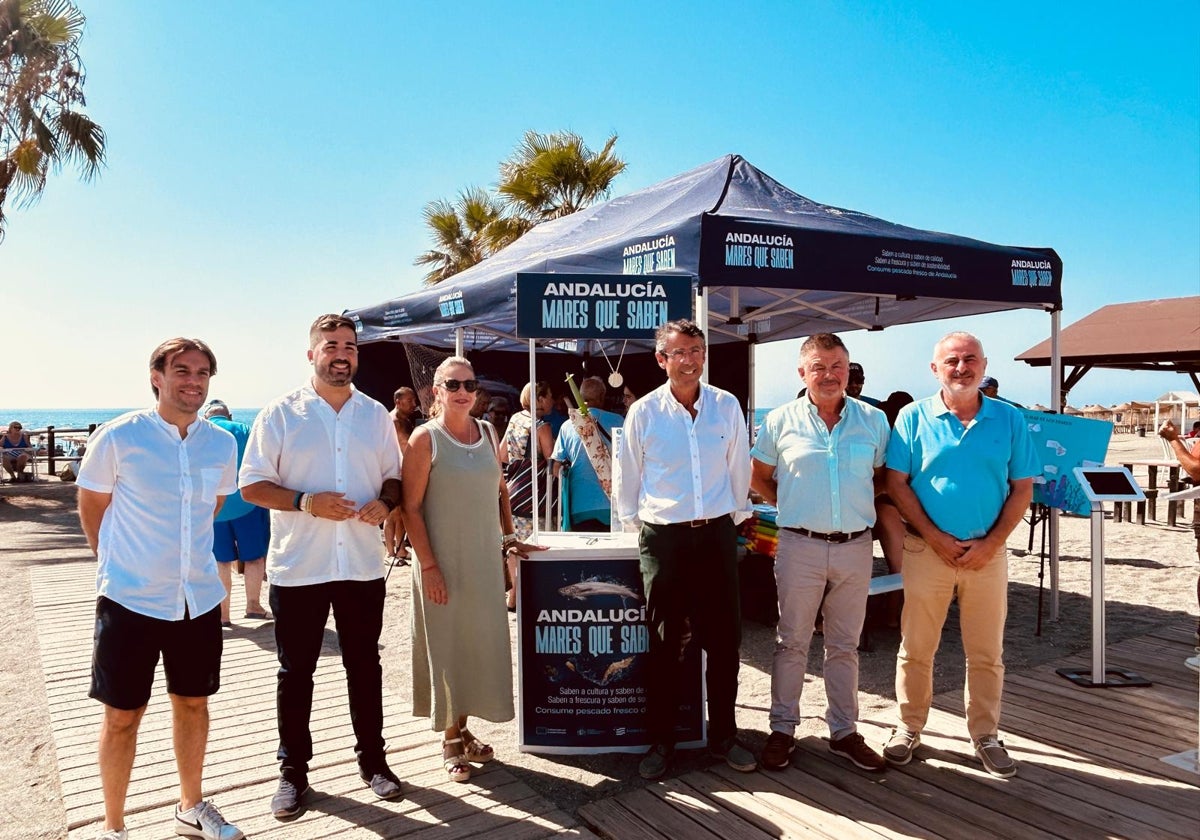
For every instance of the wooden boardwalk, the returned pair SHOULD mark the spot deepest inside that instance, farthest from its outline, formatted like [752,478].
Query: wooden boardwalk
[1090,766]
[240,771]
[1090,760]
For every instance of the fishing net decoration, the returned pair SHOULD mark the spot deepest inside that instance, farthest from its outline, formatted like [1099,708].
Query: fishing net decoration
[422,362]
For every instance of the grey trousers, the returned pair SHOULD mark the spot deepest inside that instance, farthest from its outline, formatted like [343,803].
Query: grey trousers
[805,570]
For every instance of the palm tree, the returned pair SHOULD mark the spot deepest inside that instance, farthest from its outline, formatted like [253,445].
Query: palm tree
[463,232]
[41,94]
[554,175]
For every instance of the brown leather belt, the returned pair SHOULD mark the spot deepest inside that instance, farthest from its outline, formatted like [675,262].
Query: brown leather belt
[835,537]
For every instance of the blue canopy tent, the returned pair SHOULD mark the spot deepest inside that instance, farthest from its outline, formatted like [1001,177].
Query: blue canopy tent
[771,263]
[768,263]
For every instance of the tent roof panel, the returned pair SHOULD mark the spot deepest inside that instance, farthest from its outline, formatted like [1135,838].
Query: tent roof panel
[777,265]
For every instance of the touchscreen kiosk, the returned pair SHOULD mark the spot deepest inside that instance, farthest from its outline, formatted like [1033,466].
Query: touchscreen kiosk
[1100,485]
[1109,484]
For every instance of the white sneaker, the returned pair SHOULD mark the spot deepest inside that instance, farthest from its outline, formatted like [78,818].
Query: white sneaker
[114,834]
[204,820]
[1193,662]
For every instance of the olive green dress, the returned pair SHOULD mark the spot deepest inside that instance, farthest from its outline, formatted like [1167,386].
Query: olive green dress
[462,662]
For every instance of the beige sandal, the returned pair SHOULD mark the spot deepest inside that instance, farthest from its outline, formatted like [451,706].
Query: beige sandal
[455,763]
[475,750]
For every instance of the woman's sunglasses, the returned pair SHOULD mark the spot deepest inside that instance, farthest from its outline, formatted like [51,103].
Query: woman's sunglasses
[452,385]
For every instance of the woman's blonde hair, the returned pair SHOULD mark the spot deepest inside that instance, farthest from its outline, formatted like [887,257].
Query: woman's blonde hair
[439,376]
[543,390]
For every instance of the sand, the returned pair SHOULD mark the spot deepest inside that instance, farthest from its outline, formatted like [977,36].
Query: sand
[1150,580]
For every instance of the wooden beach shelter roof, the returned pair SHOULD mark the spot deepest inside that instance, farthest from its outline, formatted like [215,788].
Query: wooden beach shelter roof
[1147,335]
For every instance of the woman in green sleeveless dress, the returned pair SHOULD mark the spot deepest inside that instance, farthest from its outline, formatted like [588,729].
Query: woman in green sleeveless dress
[457,513]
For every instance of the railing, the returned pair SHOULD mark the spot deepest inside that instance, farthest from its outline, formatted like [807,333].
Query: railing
[46,438]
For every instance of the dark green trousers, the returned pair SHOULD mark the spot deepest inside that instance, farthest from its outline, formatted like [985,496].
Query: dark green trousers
[690,576]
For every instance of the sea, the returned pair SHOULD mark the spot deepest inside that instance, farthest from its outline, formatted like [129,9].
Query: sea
[36,420]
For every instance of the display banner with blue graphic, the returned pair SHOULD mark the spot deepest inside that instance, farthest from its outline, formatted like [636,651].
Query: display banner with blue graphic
[1063,442]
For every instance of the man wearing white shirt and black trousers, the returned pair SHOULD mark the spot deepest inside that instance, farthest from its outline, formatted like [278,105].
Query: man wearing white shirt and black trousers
[149,487]
[685,477]
[325,461]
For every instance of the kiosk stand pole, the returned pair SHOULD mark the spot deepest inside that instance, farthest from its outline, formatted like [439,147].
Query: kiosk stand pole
[1100,676]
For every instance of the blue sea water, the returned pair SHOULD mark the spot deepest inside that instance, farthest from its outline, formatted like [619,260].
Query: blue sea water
[37,419]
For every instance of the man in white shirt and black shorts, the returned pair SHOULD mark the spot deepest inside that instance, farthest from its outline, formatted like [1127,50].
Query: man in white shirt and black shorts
[149,487]
[685,478]
[324,460]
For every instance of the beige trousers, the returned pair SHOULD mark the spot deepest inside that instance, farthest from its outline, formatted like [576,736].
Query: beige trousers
[929,586]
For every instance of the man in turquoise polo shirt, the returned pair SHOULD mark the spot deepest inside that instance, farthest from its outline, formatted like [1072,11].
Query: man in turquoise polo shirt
[589,505]
[960,469]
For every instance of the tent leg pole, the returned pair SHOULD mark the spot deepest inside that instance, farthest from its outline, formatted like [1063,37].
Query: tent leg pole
[751,398]
[535,455]
[1056,403]
[702,320]
[458,341]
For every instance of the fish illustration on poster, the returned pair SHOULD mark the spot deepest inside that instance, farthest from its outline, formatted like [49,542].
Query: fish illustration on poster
[1063,442]
[585,657]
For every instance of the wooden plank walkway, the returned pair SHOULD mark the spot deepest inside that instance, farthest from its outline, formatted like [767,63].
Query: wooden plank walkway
[1090,760]
[240,770]
[1090,766]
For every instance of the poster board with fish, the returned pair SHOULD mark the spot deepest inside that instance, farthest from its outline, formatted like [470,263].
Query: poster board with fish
[583,651]
[1063,442]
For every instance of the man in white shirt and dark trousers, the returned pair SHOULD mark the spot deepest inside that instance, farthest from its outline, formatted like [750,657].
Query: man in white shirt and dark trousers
[819,460]
[149,487]
[685,477]
[325,461]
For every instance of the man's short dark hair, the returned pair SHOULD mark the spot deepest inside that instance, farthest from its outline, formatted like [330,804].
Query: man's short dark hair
[401,391]
[172,347]
[683,326]
[328,323]
[822,341]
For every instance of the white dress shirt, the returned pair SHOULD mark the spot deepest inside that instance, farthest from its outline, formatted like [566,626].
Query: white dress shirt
[155,543]
[300,443]
[676,469]
[825,477]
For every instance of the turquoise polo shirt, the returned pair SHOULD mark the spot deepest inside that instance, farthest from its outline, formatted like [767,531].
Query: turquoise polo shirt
[959,473]
[825,477]
[235,506]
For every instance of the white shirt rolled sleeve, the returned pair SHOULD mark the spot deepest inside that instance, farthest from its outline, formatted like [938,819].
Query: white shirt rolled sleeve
[675,468]
[300,443]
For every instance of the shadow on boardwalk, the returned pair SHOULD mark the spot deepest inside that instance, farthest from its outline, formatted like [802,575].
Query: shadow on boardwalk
[1102,776]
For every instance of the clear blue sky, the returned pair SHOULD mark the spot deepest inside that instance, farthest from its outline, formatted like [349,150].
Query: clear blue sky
[268,161]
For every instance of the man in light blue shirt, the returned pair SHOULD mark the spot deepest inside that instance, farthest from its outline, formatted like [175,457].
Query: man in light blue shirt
[818,460]
[960,469]
[241,531]
[589,504]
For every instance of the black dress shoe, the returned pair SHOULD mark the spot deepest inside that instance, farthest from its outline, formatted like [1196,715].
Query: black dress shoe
[383,784]
[289,798]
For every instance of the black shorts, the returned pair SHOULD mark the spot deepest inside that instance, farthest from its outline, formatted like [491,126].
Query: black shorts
[126,650]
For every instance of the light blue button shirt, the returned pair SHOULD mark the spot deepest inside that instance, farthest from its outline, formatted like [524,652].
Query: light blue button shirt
[155,543]
[825,476]
[961,473]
